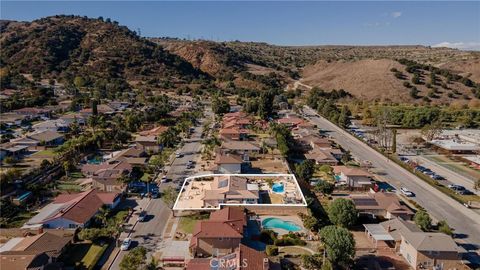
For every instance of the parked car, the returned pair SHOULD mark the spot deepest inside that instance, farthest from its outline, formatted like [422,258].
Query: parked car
[437,177]
[178,155]
[407,192]
[126,244]
[141,216]
[164,179]
[456,187]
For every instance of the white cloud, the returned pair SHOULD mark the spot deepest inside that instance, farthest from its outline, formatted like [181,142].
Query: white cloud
[469,46]
[396,14]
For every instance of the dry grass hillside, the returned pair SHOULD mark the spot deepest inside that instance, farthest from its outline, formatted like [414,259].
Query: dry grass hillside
[365,79]
[465,67]
[373,80]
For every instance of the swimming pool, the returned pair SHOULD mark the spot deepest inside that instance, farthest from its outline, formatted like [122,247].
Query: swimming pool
[278,188]
[277,223]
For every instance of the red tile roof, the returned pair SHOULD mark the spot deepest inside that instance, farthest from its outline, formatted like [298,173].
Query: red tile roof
[228,222]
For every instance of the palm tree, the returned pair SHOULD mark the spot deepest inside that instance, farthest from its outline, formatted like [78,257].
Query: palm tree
[103,214]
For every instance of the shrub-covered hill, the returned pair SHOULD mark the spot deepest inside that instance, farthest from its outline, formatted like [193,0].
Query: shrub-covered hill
[97,52]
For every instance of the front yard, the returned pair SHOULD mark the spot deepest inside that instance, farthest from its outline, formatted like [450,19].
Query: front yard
[83,255]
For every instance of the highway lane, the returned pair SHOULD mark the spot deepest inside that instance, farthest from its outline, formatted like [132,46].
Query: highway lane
[465,221]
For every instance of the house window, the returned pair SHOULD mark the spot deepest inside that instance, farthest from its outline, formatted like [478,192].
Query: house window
[72,226]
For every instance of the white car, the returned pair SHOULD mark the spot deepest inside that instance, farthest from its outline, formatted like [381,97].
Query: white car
[406,192]
[164,179]
[126,244]
[178,155]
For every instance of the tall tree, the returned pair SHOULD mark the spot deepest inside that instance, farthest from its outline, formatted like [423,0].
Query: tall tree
[339,246]
[342,212]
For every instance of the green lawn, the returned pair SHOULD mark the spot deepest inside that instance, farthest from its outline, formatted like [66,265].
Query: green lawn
[18,220]
[186,224]
[83,255]
[49,153]
[146,177]
[76,174]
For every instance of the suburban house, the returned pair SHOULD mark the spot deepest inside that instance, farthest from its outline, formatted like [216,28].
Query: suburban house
[74,117]
[228,163]
[221,234]
[49,243]
[243,148]
[71,211]
[290,121]
[383,204]
[321,156]
[12,150]
[32,113]
[57,125]
[148,143]
[156,131]
[230,189]
[47,138]
[241,258]
[133,156]
[353,177]
[11,119]
[106,176]
[422,250]
[236,134]
[24,260]
[101,109]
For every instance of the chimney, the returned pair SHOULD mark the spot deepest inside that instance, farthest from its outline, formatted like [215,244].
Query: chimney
[389,229]
[40,230]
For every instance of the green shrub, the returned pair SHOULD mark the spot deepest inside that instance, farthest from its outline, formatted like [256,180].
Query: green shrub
[271,250]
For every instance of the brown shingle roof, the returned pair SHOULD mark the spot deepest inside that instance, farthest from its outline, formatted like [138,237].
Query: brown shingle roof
[18,260]
[45,242]
[228,159]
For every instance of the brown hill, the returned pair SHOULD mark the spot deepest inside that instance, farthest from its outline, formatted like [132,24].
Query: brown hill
[100,52]
[373,80]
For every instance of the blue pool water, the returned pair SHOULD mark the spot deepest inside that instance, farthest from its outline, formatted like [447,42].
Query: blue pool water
[337,178]
[278,188]
[95,160]
[276,223]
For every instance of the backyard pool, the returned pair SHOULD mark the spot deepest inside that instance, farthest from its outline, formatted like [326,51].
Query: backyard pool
[277,223]
[95,160]
[278,188]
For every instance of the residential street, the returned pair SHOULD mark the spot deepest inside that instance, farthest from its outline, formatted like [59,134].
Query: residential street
[149,233]
[465,221]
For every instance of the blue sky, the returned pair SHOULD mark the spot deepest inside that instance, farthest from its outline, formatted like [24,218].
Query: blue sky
[454,24]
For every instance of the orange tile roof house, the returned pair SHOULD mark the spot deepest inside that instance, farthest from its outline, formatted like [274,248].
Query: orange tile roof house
[386,205]
[243,257]
[233,133]
[230,189]
[70,211]
[354,177]
[221,234]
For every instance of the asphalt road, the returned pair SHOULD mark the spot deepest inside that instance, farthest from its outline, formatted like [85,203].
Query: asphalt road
[465,221]
[149,233]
